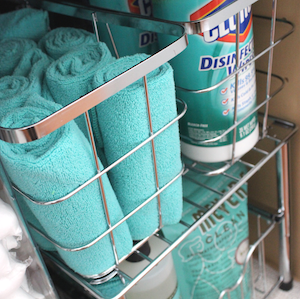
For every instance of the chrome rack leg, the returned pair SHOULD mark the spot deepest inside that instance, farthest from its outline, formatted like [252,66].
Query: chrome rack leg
[284,224]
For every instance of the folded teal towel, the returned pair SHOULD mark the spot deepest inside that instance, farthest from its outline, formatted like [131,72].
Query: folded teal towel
[70,77]
[11,52]
[24,23]
[61,40]
[53,166]
[33,65]
[124,124]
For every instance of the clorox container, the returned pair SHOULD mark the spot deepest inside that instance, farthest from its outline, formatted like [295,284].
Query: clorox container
[209,58]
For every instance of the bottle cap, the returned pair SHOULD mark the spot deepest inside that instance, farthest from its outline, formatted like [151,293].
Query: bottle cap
[145,249]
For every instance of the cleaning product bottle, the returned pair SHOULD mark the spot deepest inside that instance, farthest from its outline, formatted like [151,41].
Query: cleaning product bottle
[211,259]
[160,282]
[209,58]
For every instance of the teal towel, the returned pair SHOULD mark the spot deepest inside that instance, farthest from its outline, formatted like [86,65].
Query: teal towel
[51,167]
[61,40]
[70,77]
[14,91]
[31,219]
[11,52]
[24,23]
[20,87]
[124,124]
[15,87]
[33,65]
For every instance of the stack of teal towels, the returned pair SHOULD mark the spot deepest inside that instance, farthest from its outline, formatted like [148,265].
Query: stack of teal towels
[43,72]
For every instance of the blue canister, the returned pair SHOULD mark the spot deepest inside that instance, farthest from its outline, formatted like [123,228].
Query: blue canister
[209,58]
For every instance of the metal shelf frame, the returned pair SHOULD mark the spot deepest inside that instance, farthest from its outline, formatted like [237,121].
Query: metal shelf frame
[279,134]
[273,131]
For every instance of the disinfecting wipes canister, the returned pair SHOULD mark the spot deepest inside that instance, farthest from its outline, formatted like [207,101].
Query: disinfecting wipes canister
[211,259]
[209,58]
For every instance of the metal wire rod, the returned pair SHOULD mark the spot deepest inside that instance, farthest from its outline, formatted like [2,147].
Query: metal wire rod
[270,64]
[104,201]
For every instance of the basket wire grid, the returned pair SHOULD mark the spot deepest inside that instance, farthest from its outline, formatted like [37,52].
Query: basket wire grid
[87,102]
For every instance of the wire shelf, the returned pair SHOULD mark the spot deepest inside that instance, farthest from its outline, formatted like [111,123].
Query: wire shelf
[274,132]
[279,134]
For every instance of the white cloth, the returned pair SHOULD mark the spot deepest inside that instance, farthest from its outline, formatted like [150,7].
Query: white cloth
[9,224]
[5,266]
[20,294]
[10,243]
[13,280]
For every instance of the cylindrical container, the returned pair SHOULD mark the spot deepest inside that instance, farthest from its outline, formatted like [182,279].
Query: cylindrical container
[160,282]
[209,58]
[128,40]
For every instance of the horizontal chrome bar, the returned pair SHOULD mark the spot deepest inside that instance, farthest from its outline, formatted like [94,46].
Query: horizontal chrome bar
[194,204]
[202,185]
[212,172]
[260,151]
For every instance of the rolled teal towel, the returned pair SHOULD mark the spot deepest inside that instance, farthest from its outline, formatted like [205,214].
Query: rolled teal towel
[71,76]
[61,40]
[123,120]
[20,87]
[31,219]
[53,166]
[15,87]
[33,65]
[11,52]
[11,86]
[24,23]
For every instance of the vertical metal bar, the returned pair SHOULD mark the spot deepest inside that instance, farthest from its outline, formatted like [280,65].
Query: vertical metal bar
[261,256]
[253,280]
[101,185]
[270,64]
[87,117]
[242,290]
[112,41]
[153,151]
[237,51]
[95,21]
[283,207]
[150,125]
